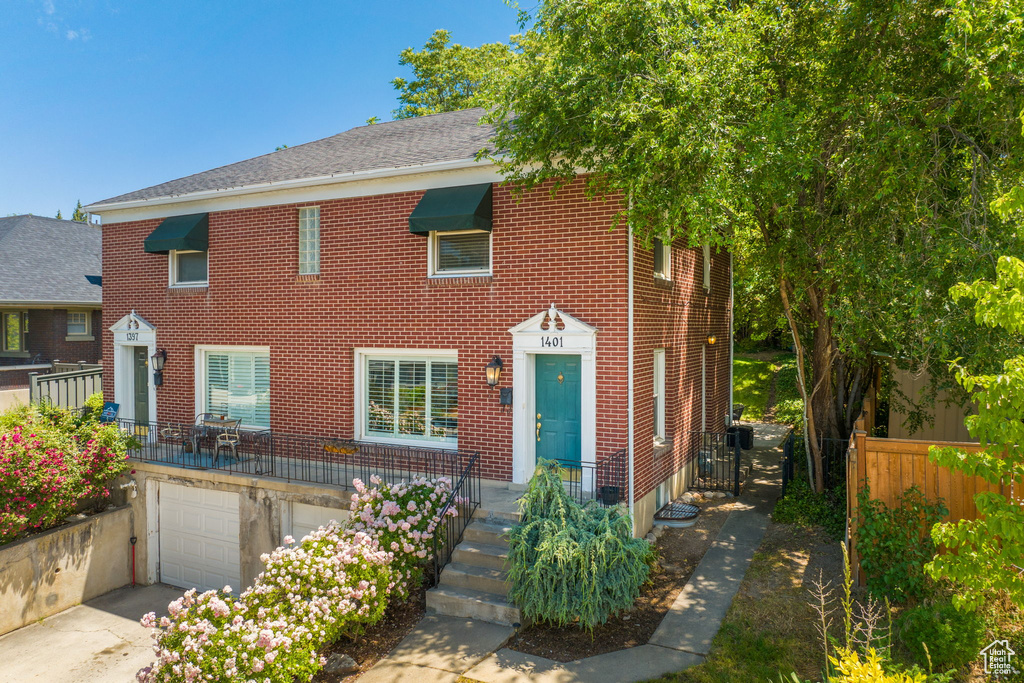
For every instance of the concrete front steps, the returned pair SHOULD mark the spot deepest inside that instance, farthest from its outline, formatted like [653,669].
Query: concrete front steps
[475,583]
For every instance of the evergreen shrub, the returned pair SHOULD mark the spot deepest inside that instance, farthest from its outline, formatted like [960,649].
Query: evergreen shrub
[572,564]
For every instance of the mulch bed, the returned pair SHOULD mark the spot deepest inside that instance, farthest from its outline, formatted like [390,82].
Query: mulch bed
[378,640]
[680,550]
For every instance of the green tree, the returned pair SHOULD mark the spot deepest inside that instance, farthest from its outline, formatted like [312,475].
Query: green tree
[988,553]
[58,216]
[80,215]
[447,77]
[856,142]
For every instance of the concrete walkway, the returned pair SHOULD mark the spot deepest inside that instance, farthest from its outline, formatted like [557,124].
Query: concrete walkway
[444,648]
[100,641]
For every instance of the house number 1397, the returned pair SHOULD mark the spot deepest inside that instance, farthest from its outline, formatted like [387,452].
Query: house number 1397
[551,341]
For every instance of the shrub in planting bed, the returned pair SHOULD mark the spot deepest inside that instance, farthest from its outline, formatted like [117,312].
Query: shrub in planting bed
[51,462]
[335,582]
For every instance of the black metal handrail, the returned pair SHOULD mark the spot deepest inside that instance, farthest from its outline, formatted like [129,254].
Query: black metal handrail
[292,457]
[465,498]
[718,458]
[606,481]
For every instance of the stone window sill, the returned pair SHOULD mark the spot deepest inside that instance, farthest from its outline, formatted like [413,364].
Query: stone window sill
[79,338]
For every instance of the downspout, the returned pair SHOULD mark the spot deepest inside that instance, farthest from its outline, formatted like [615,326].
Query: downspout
[732,335]
[629,370]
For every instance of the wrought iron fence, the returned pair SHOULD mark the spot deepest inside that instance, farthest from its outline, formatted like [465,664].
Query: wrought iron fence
[606,482]
[292,457]
[717,460]
[787,460]
[833,460]
[464,499]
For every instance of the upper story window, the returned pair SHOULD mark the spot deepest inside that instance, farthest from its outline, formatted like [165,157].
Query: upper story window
[465,252]
[15,327]
[662,259]
[706,255]
[309,240]
[79,326]
[188,268]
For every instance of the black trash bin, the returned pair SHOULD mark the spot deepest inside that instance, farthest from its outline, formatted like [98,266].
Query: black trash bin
[746,437]
[730,436]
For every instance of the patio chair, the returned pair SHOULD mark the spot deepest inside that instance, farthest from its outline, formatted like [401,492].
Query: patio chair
[179,434]
[229,438]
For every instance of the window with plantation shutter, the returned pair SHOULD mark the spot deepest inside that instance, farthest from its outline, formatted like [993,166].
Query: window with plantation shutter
[237,384]
[414,398]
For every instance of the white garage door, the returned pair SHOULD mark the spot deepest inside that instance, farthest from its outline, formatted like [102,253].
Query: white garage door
[308,518]
[199,538]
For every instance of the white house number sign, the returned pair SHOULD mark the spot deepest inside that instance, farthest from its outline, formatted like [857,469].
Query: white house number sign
[552,342]
[131,336]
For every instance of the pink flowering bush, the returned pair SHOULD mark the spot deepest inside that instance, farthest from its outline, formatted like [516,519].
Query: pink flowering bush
[403,518]
[335,582]
[51,462]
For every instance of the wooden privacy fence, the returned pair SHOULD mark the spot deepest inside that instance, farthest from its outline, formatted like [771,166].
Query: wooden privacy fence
[891,466]
[66,389]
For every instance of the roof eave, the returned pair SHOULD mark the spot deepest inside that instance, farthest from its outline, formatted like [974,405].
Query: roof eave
[333,178]
[50,304]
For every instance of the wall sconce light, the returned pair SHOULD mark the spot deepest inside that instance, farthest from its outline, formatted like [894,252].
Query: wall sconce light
[493,370]
[158,358]
[711,340]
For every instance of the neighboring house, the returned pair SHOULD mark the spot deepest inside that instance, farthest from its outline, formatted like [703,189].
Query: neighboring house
[326,288]
[49,295]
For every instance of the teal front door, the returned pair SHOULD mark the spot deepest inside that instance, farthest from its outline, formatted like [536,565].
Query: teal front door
[558,408]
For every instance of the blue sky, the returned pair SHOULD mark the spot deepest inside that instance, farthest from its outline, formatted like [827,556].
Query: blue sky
[101,97]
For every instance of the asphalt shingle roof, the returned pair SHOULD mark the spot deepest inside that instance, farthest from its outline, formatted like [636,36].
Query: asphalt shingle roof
[46,260]
[450,136]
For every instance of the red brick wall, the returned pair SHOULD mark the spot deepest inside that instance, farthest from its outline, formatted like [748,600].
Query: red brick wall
[678,316]
[373,292]
[47,334]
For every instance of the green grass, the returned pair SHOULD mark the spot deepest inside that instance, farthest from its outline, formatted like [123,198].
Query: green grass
[752,381]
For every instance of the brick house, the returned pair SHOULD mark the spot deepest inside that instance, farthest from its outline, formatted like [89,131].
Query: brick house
[358,286]
[50,296]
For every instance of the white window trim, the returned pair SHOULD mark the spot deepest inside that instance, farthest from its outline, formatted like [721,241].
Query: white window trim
[659,390]
[706,249]
[316,270]
[80,336]
[432,253]
[172,269]
[200,365]
[361,355]
[666,272]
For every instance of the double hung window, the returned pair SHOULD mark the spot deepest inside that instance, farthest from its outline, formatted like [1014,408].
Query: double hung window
[236,383]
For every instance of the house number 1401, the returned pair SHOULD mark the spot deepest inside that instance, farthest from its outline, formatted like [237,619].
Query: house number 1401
[551,341]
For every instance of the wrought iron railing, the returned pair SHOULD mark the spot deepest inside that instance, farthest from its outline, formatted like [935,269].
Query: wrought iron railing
[606,481]
[465,500]
[292,457]
[716,460]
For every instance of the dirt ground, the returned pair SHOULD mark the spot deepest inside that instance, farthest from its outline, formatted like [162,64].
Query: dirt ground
[680,551]
[378,640]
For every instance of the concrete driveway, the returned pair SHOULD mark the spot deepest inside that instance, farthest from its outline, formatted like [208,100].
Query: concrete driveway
[98,641]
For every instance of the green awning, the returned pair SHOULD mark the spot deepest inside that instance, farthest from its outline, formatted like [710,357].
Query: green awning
[446,209]
[180,233]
